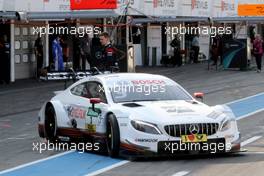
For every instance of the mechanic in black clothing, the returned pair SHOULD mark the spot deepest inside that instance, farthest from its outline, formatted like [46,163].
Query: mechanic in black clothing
[2,55]
[85,47]
[5,60]
[76,52]
[110,55]
[109,59]
[39,54]
[176,45]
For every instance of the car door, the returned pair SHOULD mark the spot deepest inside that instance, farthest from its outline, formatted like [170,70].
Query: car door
[95,121]
[80,111]
[76,105]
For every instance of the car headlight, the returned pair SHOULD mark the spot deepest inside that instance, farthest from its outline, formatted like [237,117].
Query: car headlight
[145,127]
[226,124]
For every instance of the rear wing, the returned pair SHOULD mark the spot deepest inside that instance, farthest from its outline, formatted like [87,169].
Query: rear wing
[74,75]
[65,75]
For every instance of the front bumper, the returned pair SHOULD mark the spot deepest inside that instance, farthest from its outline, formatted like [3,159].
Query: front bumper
[176,148]
[140,143]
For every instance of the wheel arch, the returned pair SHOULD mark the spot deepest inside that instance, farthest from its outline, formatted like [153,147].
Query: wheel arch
[107,115]
[61,113]
[49,104]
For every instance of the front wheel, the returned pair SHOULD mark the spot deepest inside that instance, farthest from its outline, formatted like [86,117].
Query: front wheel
[113,136]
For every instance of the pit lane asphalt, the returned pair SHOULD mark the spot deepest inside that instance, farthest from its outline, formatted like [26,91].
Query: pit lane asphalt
[19,107]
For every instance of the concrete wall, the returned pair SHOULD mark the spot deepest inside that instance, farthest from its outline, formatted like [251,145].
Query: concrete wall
[25,61]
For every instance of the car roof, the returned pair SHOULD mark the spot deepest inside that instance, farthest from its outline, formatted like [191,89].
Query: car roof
[114,77]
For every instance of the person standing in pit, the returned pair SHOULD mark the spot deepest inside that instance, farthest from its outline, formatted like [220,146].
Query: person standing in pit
[6,60]
[85,47]
[2,55]
[196,48]
[57,54]
[39,54]
[108,52]
[215,50]
[176,45]
[258,51]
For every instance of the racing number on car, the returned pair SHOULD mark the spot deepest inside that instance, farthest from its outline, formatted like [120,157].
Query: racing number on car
[90,123]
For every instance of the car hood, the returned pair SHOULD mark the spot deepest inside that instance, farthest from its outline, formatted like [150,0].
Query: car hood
[168,112]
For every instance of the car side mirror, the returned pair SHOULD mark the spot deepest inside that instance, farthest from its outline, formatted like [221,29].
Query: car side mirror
[199,95]
[94,101]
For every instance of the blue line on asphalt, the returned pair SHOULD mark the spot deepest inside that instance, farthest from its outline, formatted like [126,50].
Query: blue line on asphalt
[70,164]
[247,106]
[85,163]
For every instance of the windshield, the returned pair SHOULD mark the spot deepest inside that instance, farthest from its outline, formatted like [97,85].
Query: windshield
[147,90]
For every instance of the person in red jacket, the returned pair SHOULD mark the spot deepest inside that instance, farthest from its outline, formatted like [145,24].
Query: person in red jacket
[258,51]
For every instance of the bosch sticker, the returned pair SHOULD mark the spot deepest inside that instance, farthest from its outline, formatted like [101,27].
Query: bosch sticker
[148,82]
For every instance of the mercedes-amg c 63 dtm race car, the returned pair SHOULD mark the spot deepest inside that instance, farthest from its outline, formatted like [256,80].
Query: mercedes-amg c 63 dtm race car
[139,114]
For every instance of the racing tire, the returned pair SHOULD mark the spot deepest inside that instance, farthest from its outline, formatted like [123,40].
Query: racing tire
[50,126]
[113,136]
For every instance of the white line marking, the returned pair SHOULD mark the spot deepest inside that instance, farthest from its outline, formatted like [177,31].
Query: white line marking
[15,138]
[254,153]
[23,135]
[19,137]
[250,140]
[35,162]
[242,99]
[250,114]
[182,173]
[107,168]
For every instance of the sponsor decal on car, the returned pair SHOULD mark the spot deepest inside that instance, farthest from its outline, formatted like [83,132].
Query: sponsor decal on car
[123,124]
[194,138]
[90,123]
[146,140]
[93,113]
[173,109]
[148,82]
[76,112]
[91,128]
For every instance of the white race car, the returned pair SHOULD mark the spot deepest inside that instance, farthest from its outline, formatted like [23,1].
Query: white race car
[139,114]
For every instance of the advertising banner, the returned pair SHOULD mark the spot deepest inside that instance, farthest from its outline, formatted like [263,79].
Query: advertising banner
[201,8]
[251,9]
[136,7]
[228,8]
[56,5]
[163,7]
[235,54]
[196,8]
[93,4]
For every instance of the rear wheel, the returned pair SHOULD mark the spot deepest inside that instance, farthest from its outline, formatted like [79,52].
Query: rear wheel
[50,124]
[113,136]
